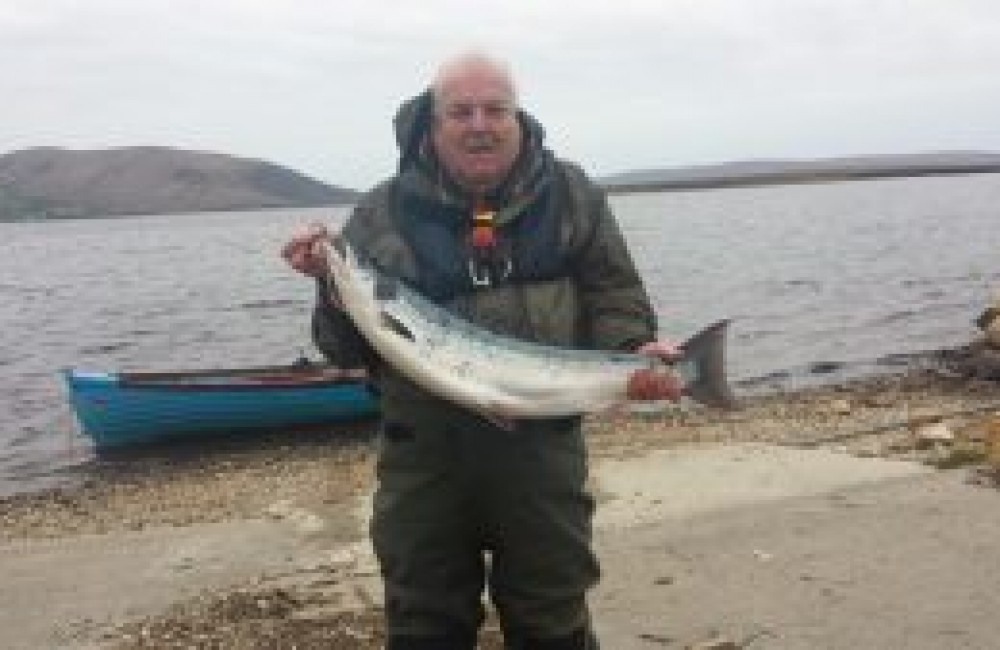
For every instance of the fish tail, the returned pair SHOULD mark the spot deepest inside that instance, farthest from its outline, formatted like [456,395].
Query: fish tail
[706,352]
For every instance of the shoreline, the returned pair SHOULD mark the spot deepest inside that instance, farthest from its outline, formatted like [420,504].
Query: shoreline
[264,540]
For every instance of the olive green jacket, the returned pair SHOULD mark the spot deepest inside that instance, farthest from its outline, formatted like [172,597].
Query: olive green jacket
[598,300]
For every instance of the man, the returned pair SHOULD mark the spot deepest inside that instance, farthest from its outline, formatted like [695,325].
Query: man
[484,220]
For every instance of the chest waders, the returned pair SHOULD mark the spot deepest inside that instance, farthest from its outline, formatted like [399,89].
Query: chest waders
[462,505]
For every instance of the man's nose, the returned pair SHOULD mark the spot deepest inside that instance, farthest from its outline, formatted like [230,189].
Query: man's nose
[478,119]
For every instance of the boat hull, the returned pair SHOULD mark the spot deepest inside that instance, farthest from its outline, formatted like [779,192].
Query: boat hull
[117,409]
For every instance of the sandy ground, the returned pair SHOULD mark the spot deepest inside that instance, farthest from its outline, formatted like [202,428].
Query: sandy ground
[813,519]
[909,562]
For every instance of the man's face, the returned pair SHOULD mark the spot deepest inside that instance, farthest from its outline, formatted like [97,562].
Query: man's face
[476,133]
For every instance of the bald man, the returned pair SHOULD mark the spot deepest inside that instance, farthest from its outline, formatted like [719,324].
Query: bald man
[484,220]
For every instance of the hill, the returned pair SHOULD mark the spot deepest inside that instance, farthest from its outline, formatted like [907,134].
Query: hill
[51,182]
[764,172]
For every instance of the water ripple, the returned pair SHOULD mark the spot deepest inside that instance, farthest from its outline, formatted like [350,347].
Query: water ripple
[105,348]
[821,280]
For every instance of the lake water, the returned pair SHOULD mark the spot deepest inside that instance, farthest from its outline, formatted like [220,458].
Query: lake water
[842,273]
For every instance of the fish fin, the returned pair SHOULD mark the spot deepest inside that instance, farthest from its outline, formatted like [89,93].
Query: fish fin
[706,351]
[495,416]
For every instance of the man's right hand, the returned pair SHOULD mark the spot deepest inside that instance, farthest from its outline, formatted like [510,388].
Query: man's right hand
[304,252]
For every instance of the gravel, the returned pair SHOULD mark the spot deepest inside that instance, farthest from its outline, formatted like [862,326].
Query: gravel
[185,485]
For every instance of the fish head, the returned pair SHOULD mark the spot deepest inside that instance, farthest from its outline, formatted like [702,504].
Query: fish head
[342,269]
[339,254]
[342,260]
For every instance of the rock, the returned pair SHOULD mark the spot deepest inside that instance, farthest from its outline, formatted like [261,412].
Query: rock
[302,519]
[279,509]
[899,446]
[989,322]
[877,401]
[840,407]
[715,644]
[984,477]
[307,522]
[992,443]
[933,434]
[660,639]
[992,334]
[824,367]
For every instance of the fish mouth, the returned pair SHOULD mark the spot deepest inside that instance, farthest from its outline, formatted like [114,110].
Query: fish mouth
[340,246]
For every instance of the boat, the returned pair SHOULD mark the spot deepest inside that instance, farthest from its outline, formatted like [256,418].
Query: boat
[115,409]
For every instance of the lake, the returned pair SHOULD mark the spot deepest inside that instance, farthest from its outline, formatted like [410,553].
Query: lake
[833,276]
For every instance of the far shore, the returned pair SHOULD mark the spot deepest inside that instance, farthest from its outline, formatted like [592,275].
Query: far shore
[794,177]
[751,173]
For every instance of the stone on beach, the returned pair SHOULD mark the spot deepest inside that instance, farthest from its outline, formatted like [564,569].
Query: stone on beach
[321,587]
[993,443]
[933,433]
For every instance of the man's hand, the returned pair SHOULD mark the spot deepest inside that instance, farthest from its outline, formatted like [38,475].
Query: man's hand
[666,351]
[651,384]
[303,251]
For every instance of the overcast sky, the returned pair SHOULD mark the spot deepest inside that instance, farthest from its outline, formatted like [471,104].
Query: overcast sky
[313,84]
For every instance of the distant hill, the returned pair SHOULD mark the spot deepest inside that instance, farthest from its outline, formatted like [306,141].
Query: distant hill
[764,172]
[51,182]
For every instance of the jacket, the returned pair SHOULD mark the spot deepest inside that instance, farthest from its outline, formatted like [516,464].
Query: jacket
[573,282]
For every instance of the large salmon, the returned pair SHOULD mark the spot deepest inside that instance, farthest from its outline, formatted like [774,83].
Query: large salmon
[501,376]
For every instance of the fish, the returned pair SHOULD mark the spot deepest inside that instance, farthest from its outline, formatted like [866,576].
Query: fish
[500,376]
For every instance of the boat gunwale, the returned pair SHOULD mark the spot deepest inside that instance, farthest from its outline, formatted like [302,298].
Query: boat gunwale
[229,379]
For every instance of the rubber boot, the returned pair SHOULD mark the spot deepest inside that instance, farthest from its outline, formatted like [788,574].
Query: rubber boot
[581,639]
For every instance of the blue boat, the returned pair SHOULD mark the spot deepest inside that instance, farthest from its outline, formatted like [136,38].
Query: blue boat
[125,408]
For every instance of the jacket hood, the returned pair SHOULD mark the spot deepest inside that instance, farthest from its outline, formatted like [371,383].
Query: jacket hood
[413,122]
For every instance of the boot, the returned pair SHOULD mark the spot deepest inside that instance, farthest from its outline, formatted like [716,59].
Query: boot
[581,639]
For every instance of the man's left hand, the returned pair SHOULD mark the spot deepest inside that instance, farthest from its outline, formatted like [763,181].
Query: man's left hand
[665,351]
[656,384]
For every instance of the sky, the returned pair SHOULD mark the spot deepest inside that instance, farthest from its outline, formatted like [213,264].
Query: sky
[625,85]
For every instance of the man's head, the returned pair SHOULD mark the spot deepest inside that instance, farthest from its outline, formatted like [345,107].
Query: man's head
[475,130]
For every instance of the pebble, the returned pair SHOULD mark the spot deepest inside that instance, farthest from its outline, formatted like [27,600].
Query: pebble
[280,481]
